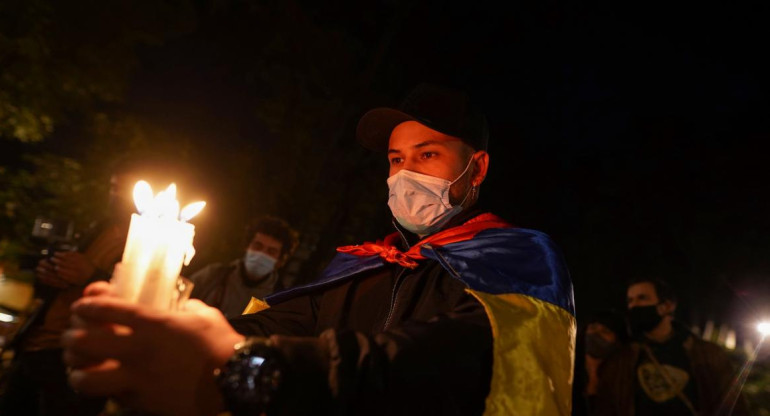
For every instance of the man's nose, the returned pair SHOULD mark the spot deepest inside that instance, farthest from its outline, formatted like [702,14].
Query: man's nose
[411,165]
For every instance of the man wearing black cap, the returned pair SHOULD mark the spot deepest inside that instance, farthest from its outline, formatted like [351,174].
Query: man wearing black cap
[455,313]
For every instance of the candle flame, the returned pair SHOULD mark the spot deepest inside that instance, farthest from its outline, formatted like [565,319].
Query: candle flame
[191,210]
[164,204]
[171,191]
[143,196]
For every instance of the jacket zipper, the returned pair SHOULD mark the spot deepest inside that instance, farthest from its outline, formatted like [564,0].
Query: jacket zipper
[394,294]
[394,298]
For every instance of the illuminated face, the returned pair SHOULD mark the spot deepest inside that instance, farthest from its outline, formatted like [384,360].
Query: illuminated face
[266,244]
[420,149]
[644,294]
[641,294]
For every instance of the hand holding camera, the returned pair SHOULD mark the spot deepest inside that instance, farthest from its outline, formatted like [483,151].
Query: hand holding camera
[73,267]
[65,268]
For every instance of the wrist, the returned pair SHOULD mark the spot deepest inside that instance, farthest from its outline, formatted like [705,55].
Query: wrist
[250,380]
[227,349]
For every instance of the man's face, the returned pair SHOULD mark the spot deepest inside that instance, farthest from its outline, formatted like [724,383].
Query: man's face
[423,150]
[644,294]
[268,245]
[641,294]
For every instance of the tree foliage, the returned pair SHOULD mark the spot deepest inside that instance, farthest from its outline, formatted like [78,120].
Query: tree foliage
[59,60]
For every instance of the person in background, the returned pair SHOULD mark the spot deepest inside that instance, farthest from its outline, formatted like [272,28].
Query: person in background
[37,380]
[602,335]
[270,242]
[666,370]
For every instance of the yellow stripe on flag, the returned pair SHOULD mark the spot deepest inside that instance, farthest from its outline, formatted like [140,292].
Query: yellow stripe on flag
[255,305]
[534,353]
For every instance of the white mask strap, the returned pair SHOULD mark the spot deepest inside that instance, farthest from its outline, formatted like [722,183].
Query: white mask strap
[464,171]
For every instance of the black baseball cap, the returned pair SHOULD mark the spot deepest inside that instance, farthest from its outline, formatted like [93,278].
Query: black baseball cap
[440,108]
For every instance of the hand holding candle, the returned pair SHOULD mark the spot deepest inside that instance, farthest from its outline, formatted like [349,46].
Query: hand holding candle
[159,242]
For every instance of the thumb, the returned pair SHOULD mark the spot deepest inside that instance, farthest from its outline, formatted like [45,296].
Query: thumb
[195,305]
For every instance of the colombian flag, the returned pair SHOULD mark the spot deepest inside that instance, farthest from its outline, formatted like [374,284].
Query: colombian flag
[521,279]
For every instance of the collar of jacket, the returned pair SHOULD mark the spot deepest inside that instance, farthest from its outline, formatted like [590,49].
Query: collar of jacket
[495,260]
[388,249]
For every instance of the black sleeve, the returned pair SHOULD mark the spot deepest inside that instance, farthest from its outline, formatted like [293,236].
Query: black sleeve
[442,366]
[100,274]
[207,279]
[295,317]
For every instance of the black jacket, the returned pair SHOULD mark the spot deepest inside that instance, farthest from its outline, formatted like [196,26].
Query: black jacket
[402,342]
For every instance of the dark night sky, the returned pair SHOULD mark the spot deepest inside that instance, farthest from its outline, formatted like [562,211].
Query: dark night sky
[631,134]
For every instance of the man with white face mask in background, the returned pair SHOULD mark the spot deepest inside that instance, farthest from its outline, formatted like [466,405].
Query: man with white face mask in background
[455,313]
[229,287]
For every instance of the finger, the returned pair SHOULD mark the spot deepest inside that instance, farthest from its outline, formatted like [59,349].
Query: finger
[45,272]
[65,273]
[72,276]
[44,265]
[106,379]
[99,289]
[52,281]
[199,308]
[195,305]
[59,261]
[115,310]
[77,322]
[56,284]
[64,255]
[99,343]
[78,362]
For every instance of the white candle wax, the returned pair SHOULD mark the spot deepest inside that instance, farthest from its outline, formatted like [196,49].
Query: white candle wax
[156,248]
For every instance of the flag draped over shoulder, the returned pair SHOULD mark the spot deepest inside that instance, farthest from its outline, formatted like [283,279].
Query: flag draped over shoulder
[520,278]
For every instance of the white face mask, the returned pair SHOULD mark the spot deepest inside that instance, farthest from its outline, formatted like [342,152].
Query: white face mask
[258,264]
[420,203]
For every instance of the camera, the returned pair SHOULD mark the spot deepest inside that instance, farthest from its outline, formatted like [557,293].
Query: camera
[54,234]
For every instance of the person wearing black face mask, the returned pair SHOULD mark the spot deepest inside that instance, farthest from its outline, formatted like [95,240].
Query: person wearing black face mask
[602,335]
[666,370]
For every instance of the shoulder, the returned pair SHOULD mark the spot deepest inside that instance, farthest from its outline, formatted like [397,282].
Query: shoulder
[701,346]
[513,247]
[708,355]
[212,270]
[509,260]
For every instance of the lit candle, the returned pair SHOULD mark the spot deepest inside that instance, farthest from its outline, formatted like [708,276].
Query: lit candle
[159,242]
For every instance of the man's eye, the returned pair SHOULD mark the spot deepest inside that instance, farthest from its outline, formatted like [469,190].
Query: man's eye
[428,155]
[395,160]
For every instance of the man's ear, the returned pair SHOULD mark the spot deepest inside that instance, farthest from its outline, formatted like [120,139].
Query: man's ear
[282,261]
[669,307]
[480,167]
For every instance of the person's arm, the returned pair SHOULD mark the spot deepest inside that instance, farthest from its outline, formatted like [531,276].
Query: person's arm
[166,360]
[616,379]
[592,371]
[444,363]
[442,366]
[295,317]
[204,279]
